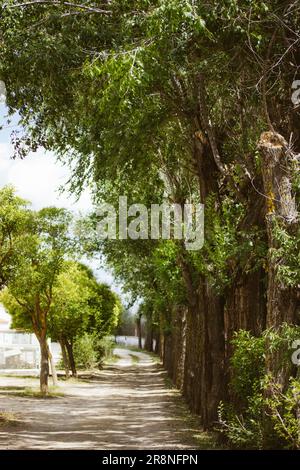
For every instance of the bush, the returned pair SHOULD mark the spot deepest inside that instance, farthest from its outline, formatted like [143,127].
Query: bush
[103,348]
[84,352]
[263,414]
[284,412]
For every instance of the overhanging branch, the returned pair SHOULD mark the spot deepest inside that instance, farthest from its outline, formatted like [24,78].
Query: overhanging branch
[91,9]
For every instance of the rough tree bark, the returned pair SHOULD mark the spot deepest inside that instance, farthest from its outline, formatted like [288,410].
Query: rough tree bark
[280,210]
[44,371]
[149,335]
[174,346]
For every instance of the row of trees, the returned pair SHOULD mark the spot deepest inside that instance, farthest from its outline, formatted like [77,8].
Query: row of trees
[184,101]
[45,289]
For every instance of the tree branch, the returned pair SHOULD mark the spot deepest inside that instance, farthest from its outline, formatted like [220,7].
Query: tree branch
[66,4]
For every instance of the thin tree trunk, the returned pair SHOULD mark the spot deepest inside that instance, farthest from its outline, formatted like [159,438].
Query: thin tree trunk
[44,371]
[65,358]
[139,330]
[72,363]
[53,368]
[157,342]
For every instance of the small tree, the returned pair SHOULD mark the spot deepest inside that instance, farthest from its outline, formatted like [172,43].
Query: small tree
[70,310]
[103,321]
[81,305]
[29,295]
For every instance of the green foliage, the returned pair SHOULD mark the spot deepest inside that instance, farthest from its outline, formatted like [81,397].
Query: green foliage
[104,348]
[84,353]
[41,253]
[90,351]
[247,363]
[287,255]
[265,415]
[117,94]
[70,309]
[13,219]
[283,410]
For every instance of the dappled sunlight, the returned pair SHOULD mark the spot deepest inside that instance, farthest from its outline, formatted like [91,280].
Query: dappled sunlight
[124,406]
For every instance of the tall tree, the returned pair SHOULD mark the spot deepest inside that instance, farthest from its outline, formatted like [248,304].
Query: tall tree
[149,93]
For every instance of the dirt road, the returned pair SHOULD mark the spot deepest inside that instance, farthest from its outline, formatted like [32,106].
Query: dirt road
[125,406]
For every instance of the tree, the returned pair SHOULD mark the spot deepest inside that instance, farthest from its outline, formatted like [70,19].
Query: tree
[29,295]
[13,220]
[104,318]
[163,94]
[80,305]
[69,311]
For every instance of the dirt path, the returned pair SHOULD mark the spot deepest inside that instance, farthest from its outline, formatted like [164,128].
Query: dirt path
[126,406]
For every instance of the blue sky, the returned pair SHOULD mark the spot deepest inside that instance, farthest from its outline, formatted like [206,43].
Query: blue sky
[38,178]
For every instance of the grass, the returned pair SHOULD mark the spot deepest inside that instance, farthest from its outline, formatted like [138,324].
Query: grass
[135,359]
[153,355]
[7,418]
[112,359]
[130,348]
[71,379]
[18,376]
[29,392]
[169,383]
[204,440]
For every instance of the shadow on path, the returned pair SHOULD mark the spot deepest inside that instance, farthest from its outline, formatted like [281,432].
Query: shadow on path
[125,406]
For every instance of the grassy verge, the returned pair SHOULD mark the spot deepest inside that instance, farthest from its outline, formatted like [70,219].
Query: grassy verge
[153,355]
[134,358]
[112,360]
[18,376]
[29,392]
[204,440]
[130,348]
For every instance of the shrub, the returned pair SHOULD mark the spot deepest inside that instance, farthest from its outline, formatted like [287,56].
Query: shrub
[264,415]
[103,348]
[84,352]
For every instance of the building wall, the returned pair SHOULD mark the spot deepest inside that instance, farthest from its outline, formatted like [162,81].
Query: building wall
[18,350]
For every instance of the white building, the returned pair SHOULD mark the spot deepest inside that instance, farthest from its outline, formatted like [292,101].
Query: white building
[19,350]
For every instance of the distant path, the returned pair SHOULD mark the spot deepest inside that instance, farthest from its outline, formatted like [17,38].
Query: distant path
[125,406]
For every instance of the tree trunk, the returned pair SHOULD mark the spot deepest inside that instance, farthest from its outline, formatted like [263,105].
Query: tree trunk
[65,358]
[149,334]
[44,371]
[213,384]
[139,330]
[69,346]
[281,211]
[53,368]
[157,342]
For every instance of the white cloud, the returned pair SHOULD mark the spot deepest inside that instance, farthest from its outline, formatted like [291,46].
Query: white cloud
[38,178]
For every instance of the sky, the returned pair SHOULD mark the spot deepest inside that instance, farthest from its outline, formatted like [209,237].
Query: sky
[37,178]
